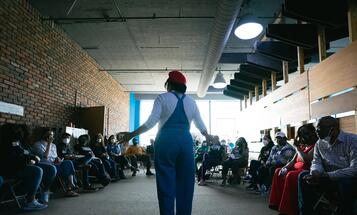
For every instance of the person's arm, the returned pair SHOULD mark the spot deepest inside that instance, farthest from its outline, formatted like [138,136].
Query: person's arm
[285,157]
[47,151]
[271,155]
[150,123]
[351,170]
[290,164]
[39,150]
[200,125]
[316,164]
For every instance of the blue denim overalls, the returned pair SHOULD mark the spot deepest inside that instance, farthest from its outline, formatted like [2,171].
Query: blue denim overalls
[174,163]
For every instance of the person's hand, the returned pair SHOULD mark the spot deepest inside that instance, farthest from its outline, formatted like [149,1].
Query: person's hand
[283,172]
[48,146]
[37,158]
[58,160]
[126,137]
[311,179]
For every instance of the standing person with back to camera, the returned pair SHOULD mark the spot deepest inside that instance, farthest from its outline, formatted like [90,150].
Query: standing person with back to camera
[174,157]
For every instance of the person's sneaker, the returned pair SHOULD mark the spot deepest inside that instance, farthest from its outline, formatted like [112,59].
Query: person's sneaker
[121,175]
[71,193]
[149,173]
[134,173]
[252,187]
[90,188]
[44,197]
[105,181]
[202,183]
[34,205]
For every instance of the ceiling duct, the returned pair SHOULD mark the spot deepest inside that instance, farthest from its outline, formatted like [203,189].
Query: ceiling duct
[226,15]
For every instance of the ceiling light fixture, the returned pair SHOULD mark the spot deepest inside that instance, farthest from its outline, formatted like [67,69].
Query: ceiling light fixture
[248,27]
[219,82]
[248,30]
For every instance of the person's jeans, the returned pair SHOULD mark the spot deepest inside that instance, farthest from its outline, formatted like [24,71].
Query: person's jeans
[234,164]
[110,167]
[308,194]
[98,168]
[65,169]
[49,175]
[31,176]
[253,170]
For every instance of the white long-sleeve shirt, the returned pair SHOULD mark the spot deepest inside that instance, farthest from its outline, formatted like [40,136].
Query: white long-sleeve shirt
[165,105]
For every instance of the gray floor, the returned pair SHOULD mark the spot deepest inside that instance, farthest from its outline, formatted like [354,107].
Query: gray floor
[137,195]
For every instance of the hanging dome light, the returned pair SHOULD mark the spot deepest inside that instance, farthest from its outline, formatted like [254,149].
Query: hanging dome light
[248,30]
[219,81]
[248,27]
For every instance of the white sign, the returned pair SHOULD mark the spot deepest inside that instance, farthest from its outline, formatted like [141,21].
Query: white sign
[11,108]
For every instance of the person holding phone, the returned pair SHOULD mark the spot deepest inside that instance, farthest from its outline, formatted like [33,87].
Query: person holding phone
[174,147]
[333,169]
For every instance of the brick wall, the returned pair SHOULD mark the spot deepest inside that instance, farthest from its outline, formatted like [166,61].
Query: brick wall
[42,69]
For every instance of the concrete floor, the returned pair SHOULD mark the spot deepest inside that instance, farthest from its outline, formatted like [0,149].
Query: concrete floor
[137,195]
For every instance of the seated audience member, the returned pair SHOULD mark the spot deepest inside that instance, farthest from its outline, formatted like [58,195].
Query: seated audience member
[216,154]
[280,155]
[200,151]
[65,152]
[114,151]
[130,160]
[333,170]
[99,150]
[47,151]
[150,149]
[283,194]
[255,165]
[96,165]
[238,158]
[17,162]
[140,154]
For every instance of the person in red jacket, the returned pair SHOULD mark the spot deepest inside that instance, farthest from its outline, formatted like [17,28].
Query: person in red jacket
[283,196]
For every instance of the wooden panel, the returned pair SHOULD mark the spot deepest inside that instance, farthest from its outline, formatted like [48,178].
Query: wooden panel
[348,124]
[287,89]
[337,104]
[334,74]
[292,109]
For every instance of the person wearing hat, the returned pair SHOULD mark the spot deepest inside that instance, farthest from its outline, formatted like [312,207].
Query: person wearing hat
[280,155]
[174,158]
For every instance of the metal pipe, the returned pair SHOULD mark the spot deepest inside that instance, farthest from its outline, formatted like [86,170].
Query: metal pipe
[225,18]
[123,18]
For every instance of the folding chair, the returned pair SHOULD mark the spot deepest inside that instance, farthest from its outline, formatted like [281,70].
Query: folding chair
[9,185]
[324,204]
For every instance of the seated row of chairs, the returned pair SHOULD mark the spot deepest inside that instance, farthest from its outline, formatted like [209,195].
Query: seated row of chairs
[36,166]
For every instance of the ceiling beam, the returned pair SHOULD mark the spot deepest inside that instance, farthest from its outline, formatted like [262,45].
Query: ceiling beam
[233,58]
[269,63]
[233,94]
[281,50]
[332,14]
[241,90]
[254,71]
[303,35]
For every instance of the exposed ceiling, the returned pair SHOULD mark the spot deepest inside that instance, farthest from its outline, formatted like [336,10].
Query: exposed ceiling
[137,40]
